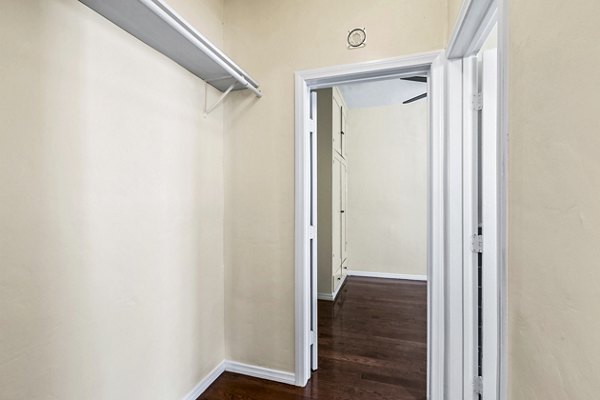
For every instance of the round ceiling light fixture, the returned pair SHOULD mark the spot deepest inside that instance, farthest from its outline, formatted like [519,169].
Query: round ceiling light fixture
[357,38]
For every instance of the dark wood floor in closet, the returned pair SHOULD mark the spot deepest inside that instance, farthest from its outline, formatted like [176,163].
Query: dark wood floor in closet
[372,346]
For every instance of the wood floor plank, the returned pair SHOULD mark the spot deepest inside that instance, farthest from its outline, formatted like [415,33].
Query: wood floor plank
[372,346]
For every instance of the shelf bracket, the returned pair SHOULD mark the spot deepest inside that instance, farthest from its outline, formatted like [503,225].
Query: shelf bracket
[208,110]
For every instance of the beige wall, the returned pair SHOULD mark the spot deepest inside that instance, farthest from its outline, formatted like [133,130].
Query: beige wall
[272,39]
[554,192]
[111,210]
[387,188]
[112,193]
[453,11]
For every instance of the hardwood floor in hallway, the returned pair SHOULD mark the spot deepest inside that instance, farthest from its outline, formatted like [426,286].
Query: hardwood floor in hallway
[372,346]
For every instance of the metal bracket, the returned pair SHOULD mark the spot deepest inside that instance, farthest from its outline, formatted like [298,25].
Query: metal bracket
[312,125]
[477,244]
[207,110]
[478,385]
[478,102]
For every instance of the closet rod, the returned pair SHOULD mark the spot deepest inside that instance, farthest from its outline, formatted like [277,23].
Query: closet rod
[169,19]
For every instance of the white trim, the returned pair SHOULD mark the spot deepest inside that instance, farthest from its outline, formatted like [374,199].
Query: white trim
[326,296]
[470,227]
[365,71]
[206,382]
[260,372]
[387,275]
[454,231]
[303,300]
[332,296]
[326,77]
[490,171]
[314,232]
[475,20]
[436,238]
[242,369]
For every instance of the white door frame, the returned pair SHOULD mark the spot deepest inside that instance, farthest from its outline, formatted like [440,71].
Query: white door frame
[433,63]
[489,217]
[475,21]
[451,211]
[470,227]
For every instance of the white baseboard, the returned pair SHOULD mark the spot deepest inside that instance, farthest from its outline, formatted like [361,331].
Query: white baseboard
[260,372]
[387,275]
[243,369]
[325,296]
[332,296]
[206,382]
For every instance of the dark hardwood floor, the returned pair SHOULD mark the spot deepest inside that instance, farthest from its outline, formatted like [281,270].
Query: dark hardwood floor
[372,346]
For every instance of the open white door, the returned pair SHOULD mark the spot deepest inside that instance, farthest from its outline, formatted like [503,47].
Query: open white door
[313,228]
[490,176]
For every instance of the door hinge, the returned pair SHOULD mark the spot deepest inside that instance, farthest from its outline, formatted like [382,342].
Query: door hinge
[312,125]
[477,243]
[313,337]
[478,385]
[312,232]
[478,101]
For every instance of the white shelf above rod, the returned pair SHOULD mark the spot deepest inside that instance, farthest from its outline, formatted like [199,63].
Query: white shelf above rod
[159,26]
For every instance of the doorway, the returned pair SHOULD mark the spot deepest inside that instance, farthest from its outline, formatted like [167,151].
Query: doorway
[430,65]
[372,141]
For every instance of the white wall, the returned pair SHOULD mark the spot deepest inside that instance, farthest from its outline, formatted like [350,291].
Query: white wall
[272,39]
[387,188]
[111,209]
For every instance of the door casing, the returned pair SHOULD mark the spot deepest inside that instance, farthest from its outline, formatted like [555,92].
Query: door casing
[433,64]
[475,21]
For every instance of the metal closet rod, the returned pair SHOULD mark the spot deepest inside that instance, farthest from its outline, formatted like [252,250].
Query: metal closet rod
[208,51]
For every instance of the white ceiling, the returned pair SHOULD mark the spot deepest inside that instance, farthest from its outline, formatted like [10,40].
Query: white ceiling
[380,93]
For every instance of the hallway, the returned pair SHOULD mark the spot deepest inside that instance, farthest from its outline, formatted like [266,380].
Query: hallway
[372,345]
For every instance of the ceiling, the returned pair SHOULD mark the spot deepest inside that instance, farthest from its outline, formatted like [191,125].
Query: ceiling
[380,93]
